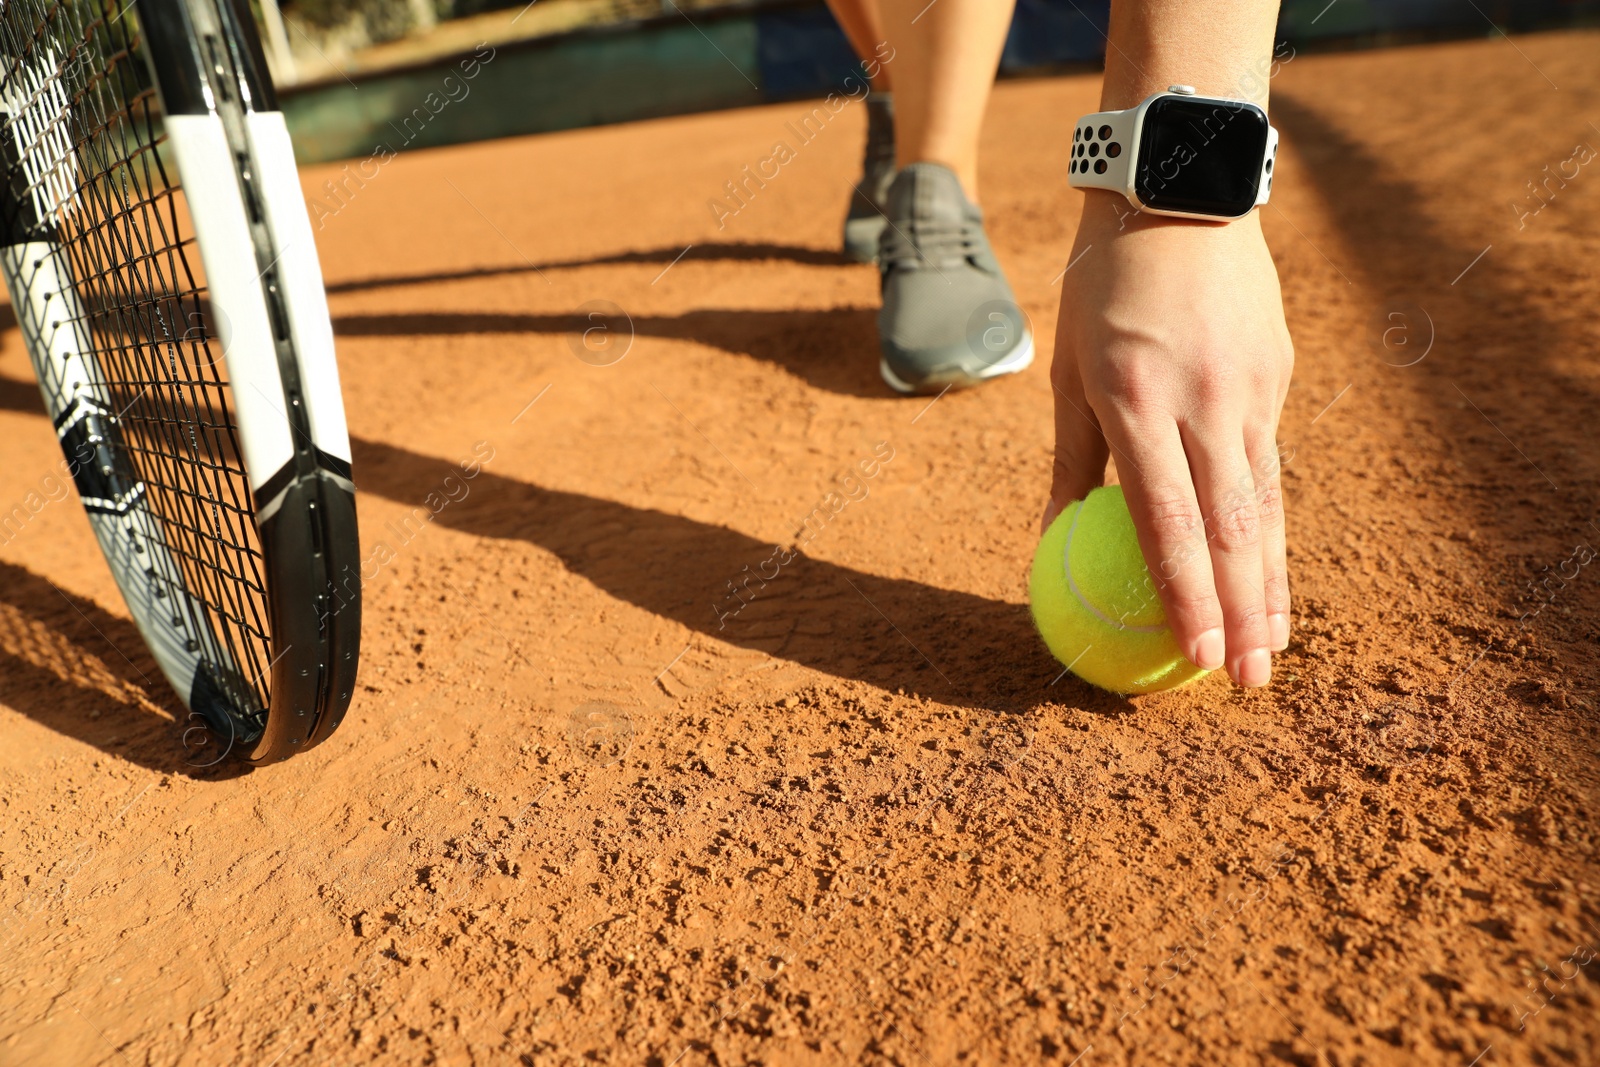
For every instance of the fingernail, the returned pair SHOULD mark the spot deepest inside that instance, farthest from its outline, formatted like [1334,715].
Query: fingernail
[1211,650]
[1278,631]
[1255,668]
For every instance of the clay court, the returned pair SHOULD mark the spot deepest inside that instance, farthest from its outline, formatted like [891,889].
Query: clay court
[592,806]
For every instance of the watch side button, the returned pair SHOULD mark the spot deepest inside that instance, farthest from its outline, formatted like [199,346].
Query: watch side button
[1182,90]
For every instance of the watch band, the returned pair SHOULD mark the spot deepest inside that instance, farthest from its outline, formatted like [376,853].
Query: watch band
[1104,139]
[1105,147]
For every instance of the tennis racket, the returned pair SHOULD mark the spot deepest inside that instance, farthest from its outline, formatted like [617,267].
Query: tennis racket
[202,421]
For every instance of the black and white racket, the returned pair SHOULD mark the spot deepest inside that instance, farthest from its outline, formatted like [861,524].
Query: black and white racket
[203,423]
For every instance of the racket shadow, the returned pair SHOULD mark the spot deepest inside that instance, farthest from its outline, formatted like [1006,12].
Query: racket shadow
[956,647]
[70,665]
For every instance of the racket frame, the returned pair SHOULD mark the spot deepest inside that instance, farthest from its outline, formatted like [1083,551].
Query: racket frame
[269,315]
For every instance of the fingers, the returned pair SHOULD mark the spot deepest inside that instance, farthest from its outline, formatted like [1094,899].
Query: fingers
[1267,464]
[1080,459]
[1166,512]
[1227,494]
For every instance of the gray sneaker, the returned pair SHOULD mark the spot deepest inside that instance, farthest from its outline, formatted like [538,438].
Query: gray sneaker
[864,222]
[948,315]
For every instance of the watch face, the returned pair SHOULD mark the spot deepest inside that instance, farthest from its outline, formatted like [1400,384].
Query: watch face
[1200,156]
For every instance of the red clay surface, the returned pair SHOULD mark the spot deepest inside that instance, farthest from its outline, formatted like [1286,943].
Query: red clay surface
[862,820]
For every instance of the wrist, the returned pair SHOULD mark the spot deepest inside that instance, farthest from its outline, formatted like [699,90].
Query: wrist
[1221,47]
[1107,214]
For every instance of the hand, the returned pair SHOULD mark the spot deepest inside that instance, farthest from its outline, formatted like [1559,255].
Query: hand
[1171,348]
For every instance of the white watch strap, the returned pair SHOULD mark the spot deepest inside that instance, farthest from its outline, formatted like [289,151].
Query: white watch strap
[1268,165]
[1102,151]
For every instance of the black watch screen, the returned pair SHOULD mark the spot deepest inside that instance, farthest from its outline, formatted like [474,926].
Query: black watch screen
[1201,156]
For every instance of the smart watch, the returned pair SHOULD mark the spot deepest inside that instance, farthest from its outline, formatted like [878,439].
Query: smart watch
[1177,153]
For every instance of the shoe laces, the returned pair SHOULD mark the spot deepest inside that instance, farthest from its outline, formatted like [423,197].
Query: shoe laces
[917,244]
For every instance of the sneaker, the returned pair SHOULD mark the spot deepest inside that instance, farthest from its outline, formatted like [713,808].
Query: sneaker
[864,222]
[948,315]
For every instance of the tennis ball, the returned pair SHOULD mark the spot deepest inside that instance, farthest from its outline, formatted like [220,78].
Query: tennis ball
[1096,605]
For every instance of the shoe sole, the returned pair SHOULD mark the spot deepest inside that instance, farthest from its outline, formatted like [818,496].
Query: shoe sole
[1019,360]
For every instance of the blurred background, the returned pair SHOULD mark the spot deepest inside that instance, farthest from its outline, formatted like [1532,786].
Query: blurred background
[352,71]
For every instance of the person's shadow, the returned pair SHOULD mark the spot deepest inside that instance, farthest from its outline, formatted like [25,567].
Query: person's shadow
[893,633]
[670,256]
[835,349]
[63,658]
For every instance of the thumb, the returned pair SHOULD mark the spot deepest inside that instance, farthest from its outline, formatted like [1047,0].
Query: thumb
[1081,452]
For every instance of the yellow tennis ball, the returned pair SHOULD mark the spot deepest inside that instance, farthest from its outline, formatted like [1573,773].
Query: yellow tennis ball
[1096,605]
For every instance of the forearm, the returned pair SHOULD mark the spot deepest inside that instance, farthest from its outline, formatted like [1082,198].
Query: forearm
[1172,352]
[1221,47]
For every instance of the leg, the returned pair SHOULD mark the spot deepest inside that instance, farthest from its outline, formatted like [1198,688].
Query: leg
[949,317]
[863,222]
[946,54]
[862,23]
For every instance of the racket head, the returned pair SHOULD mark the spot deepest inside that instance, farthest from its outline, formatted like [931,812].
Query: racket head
[202,423]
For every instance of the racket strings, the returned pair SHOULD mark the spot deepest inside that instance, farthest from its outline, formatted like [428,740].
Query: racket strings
[84,119]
